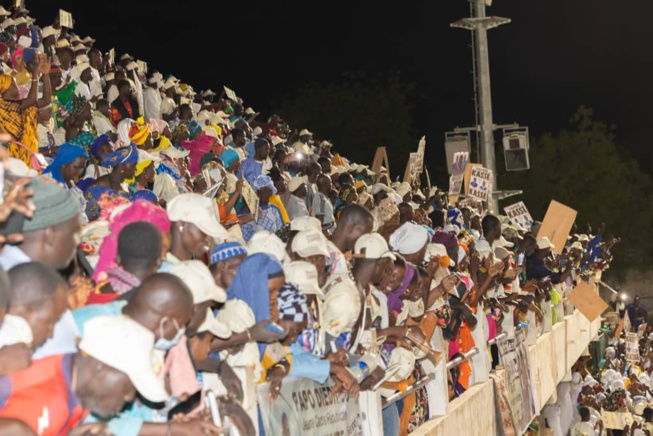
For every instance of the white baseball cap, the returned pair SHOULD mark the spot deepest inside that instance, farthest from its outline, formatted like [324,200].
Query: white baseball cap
[575,246]
[583,238]
[306,222]
[236,315]
[123,344]
[342,305]
[83,66]
[198,210]
[295,183]
[49,31]
[175,153]
[544,242]
[199,280]
[439,250]
[372,246]
[304,276]
[310,243]
[214,326]
[266,242]
[305,132]
[502,242]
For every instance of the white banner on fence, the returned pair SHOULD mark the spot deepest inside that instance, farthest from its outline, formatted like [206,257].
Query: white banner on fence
[480,183]
[304,407]
[519,381]
[519,215]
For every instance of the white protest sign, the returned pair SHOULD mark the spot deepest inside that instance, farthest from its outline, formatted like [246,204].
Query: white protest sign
[142,66]
[231,95]
[632,347]
[519,215]
[112,56]
[420,154]
[460,160]
[480,183]
[65,19]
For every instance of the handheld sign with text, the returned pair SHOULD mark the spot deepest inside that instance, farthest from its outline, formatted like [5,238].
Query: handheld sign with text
[480,183]
[557,224]
[231,95]
[421,147]
[460,160]
[142,66]
[519,215]
[632,347]
[112,56]
[65,19]
[411,168]
[586,298]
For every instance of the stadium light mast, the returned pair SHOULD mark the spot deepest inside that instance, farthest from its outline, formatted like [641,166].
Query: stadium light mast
[479,24]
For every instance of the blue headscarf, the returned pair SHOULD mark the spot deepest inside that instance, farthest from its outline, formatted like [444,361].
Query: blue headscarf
[66,154]
[228,156]
[97,144]
[263,181]
[124,155]
[145,194]
[251,284]
[226,251]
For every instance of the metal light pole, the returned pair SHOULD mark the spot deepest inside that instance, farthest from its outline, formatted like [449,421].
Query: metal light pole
[479,24]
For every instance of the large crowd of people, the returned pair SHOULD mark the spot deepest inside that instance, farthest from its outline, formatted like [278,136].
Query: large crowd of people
[155,237]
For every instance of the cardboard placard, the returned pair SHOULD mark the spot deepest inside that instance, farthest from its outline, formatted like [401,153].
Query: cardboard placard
[632,347]
[480,183]
[142,66]
[231,95]
[65,19]
[468,174]
[250,198]
[380,159]
[112,56]
[411,168]
[519,215]
[586,298]
[557,224]
[616,420]
[421,147]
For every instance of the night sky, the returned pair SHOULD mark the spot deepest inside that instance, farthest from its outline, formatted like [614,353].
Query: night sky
[554,56]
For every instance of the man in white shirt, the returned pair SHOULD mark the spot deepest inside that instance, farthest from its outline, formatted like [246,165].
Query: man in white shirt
[101,118]
[321,207]
[85,76]
[152,98]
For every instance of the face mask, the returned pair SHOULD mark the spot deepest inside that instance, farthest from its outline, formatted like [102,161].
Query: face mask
[165,344]
[415,308]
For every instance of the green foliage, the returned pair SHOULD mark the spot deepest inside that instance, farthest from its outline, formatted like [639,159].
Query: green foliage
[585,169]
[358,113]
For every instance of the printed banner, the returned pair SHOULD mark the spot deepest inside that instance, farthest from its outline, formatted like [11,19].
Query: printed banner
[632,347]
[519,381]
[305,407]
[480,183]
[519,215]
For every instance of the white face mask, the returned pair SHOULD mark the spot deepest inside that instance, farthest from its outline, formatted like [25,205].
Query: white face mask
[165,344]
[415,308]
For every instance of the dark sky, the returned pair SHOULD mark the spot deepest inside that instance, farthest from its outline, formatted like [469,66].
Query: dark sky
[554,56]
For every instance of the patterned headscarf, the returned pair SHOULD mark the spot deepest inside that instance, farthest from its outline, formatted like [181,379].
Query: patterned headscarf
[97,144]
[101,201]
[180,129]
[145,194]
[5,82]
[455,218]
[226,251]
[292,304]
[139,131]
[263,181]
[124,155]
[75,105]
[386,209]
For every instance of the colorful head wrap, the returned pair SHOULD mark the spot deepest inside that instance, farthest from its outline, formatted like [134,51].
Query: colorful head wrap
[344,192]
[226,251]
[158,125]
[180,129]
[101,201]
[139,210]
[193,128]
[141,165]
[263,181]
[17,53]
[455,218]
[124,155]
[292,304]
[65,154]
[5,82]
[229,156]
[97,144]
[75,105]
[145,194]
[162,143]
[386,209]
[139,131]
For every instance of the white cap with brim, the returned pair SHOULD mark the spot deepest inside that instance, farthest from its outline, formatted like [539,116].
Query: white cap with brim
[214,326]
[544,243]
[305,132]
[296,183]
[342,305]
[502,242]
[174,153]
[437,250]
[199,280]
[409,238]
[372,246]
[125,345]
[310,243]
[304,276]
[198,210]
[236,315]
[301,223]
[267,242]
